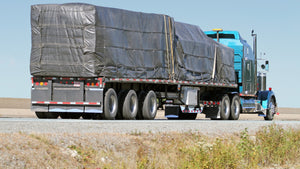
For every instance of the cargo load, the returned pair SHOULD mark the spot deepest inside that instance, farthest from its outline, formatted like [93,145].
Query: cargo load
[82,40]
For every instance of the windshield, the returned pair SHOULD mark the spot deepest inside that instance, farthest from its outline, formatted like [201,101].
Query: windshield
[222,36]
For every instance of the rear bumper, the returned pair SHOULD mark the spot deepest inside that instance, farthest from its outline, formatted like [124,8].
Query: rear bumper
[72,107]
[76,95]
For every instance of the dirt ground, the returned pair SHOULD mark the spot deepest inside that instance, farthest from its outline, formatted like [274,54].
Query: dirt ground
[20,108]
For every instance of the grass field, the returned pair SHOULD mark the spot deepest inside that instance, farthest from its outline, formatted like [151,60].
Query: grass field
[270,147]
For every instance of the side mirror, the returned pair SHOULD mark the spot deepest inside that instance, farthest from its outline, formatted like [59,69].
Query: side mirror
[267,65]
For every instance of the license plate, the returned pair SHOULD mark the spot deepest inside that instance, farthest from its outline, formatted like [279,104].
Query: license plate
[76,84]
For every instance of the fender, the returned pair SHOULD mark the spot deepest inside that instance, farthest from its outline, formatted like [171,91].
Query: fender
[265,97]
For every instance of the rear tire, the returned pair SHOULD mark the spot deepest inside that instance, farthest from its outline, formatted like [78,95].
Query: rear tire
[235,108]
[141,96]
[110,104]
[149,106]
[187,116]
[65,115]
[47,115]
[130,105]
[87,116]
[75,115]
[225,108]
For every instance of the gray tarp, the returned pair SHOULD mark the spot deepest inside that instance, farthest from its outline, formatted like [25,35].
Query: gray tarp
[81,40]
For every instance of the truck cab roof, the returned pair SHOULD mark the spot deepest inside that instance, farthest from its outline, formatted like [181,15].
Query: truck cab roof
[232,39]
[228,38]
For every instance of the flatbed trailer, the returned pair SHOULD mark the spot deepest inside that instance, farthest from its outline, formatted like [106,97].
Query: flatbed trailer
[76,97]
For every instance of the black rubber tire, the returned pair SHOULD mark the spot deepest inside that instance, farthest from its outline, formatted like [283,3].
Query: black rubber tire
[121,97]
[235,108]
[65,115]
[47,115]
[75,115]
[141,96]
[130,105]
[149,109]
[87,116]
[41,115]
[271,111]
[187,116]
[225,107]
[110,104]
[70,115]
[97,116]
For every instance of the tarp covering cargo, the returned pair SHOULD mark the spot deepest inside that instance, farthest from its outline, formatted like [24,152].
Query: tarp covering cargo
[81,40]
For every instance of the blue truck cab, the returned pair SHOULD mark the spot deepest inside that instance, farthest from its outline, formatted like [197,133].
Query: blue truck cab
[253,100]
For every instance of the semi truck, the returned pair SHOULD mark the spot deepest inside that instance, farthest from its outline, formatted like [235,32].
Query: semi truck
[106,63]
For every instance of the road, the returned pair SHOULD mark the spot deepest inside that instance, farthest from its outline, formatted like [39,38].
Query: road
[207,127]
[14,120]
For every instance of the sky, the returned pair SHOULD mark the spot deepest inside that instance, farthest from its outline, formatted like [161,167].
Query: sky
[276,23]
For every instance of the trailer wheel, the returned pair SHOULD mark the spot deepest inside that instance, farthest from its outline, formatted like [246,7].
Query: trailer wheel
[75,115]
[110,104]
[87,116]
[141,97]
[225,107]
[121,97]
[235,108]
[66,115]
[272,110]
[46,115]
[187,116]
[130,105]
[149,106]
[70,115]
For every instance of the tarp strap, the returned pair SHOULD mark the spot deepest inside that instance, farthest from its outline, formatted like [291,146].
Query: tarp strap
[171,44]
[215,64]
[167,45]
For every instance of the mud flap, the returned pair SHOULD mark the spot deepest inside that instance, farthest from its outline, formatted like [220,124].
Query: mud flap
[212,112]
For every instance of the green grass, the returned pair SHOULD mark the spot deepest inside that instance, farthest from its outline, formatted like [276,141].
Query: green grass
[271,146]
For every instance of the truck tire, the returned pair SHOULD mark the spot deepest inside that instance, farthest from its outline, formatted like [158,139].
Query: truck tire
[87,116]
[272,110]
[187,116]
[121,98]
[110,104]
[225,108]
[149,106]
[46,115]
[141,96]
[75,115]
[65,115]
[235,108]
[130,105]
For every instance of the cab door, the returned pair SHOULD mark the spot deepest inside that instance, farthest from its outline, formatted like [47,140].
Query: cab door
[248,77]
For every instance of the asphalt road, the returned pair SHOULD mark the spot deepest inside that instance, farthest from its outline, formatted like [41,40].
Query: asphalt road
[207,127]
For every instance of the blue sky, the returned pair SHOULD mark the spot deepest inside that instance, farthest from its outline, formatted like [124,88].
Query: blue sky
[275,21]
